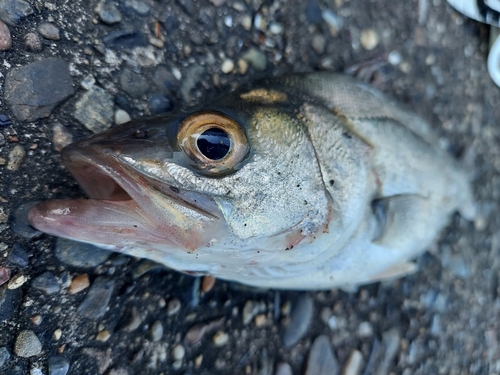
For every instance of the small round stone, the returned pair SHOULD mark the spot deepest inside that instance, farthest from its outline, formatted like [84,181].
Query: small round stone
[103,335]
[4,355]
[32,42]
[178,352]
[369,39]
[121,117]
[246,22]
[227,66]
[79,283]
[365,329]
[220,338]
[173,307]
[17,281]
[242,66]
[5,38]
[156,331]
[260,320]
[207,283]
[49,31]
[57,334]
[16,158]
[27,344]
[58,365]
[61,137]
[319,44]
[159,103]
[394,58]
[108,12]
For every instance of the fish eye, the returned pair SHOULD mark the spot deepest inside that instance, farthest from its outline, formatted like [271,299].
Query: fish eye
[215,142]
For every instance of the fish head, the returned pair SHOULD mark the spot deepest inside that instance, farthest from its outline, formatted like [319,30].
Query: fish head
[240,173]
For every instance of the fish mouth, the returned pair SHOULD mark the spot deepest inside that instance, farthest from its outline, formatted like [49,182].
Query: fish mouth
[125,207]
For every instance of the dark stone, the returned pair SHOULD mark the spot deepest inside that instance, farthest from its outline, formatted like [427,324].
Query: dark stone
[191,78]
[20,224]
[313,12]
[9,302]
[47,283]
[108,12]
[58,365]
[321,359]
[164,80]
[80,254]
[187,6]
[133,83]
[12,11]
[33,42]
[95,109]
[197,38]
[122,102]
[4,355]
[127,39]
[5,120]
[33,90]
[170,22]
[300,318]
[18,256]
[159,103]
[96,301]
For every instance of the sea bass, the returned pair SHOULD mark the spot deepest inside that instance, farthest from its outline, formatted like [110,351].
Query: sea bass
[307,181]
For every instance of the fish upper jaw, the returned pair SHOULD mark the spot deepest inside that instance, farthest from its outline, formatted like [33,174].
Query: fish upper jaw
[125,207]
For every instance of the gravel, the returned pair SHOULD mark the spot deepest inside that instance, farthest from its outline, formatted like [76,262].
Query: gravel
[443,319]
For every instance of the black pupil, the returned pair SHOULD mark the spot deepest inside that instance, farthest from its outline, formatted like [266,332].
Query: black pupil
[214,143]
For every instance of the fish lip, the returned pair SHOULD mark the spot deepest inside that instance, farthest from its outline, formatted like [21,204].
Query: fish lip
[89,163]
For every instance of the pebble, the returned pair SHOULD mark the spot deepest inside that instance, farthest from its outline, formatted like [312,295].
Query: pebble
[95,110]
[207,283]
[139,7]
[159,103]
[321,359]
[334,22]
[319,43]
[88,82]
[178,352]
[16,158]
[4,275]
[256,59]
[391,341]
[47,283]
[275,28]
[194,74]
[173,307]
[5,38]
[33,42]
[158,43]
[57,334]
[49,31]
[27,344]
[227,66]
[156,331]
[313,12]
[36,320]
[220,338]
[103,336]
[125,39]
[365,329]
[17,281]
[79,283]
[61,137]
[394,58]
[4,121]
[300,318]
[246,22]
[9,302]
[96,301]
[132,319]
[354,363]
[242,66]
[19,221]
[164,80]
[108,12]
[4,355]
[78,254]
[369,39]
[133,83]
[34,90]
[283,369]
[260,320]
[119,371]
[12,11]
[58,365]
[121,117]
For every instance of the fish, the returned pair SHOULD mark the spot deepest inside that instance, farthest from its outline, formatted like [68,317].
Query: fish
[305,182]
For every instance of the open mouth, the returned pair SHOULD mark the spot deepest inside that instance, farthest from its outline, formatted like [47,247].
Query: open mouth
[125,207]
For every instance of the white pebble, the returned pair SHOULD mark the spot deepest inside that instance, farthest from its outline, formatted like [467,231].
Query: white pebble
[227,66]
[221,338]
[369,39]
[121,117]
[394,58]
[179,352]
